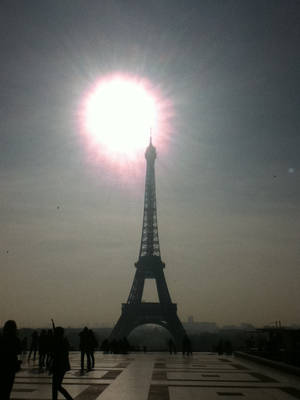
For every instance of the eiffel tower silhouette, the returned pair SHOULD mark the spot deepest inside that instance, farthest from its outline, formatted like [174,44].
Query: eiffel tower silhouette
[149,266]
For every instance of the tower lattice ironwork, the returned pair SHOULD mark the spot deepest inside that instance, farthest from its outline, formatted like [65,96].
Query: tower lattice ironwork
[149,266]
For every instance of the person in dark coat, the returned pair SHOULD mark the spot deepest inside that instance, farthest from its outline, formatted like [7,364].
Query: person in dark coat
[48,348]
[34,345]
[24,346]
[220,347]
[42,349]
[60,363]
[84,349]
[105,346]
[10,347]
[92,345]
[186,346]
[172,347]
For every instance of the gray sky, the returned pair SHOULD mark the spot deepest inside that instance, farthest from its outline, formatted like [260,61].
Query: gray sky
[227,183]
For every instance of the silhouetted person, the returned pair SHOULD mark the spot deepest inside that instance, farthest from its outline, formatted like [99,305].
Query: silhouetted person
[228,347]
[84,349]
[105,346]
[24,345]
[60,363]
[220,347]
[42,348]
[33,345]
[250,342]
[171,346]
[186,346]
[92,344]
[113,346]
[10,347]
[48,345]
[124,346]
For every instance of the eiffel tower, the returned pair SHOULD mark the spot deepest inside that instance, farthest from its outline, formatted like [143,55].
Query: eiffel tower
[149,266]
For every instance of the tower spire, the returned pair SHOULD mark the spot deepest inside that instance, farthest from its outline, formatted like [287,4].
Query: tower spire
[150,241]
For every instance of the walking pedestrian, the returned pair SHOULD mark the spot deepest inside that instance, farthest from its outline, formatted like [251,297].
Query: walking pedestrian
[186,346]
[92,345]
[42,349]
[84,349]
[33,345]
[172,347]
[10,347]
[49,339]
[60,363]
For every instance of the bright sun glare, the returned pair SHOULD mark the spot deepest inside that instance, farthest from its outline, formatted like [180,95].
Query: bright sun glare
[119,113]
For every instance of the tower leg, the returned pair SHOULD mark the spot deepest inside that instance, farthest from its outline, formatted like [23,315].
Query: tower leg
[134,315]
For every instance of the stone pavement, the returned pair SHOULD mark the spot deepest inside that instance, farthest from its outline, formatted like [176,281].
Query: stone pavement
[159,376]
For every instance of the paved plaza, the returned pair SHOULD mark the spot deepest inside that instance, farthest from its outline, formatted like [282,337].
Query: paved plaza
[159,376]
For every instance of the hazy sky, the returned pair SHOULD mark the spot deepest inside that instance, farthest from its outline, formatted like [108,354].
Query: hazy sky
[227,181]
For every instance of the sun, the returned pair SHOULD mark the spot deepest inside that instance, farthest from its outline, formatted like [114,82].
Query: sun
[119,113]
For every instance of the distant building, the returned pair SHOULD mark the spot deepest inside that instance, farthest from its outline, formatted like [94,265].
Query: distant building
[246,326]
[192,326]
[242,327]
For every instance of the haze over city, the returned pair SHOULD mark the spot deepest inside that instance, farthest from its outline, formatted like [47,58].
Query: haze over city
[226,78]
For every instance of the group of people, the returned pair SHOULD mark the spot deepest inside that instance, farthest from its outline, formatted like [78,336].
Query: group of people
[10,348]
[43,345]
[53,348]
[186,346]
[224,347]
[121,346]
[87,346]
